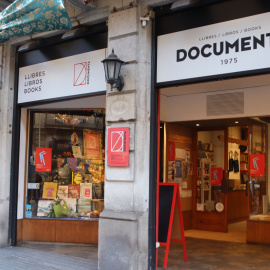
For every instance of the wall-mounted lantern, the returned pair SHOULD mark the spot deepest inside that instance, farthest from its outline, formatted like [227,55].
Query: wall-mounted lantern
[112,65]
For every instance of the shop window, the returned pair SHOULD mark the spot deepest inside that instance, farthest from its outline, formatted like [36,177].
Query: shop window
[66,165]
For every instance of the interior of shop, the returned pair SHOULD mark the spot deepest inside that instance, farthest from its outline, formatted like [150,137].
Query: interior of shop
[211,153]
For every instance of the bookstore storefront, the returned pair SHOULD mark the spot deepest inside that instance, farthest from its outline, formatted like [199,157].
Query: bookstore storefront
[62,105]
[213,83]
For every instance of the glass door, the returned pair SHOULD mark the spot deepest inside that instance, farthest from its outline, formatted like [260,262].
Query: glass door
[210,208]
[257,173]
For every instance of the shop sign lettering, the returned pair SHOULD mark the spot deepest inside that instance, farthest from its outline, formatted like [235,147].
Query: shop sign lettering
[234,46]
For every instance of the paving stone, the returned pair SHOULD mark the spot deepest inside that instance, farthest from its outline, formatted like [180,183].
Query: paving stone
[30,258]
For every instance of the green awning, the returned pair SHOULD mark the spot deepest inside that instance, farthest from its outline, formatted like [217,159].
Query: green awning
[28,17]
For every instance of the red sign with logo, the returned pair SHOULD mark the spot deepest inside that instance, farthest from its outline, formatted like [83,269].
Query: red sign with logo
[257,165]
[118,147]
[43,159]
[171,151]
[216,177]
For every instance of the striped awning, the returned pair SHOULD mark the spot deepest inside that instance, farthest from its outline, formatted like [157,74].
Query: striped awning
[28,17]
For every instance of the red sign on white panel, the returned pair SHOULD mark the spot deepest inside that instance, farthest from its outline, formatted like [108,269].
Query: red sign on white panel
[118,147]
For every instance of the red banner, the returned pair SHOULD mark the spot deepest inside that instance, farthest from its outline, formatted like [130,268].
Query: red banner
[257,165]
[118,147]
[216,177]
[43,159]
[92,145]
[171,151]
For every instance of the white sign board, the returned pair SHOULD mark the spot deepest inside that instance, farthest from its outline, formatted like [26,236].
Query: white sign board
[233,46]
[69,76]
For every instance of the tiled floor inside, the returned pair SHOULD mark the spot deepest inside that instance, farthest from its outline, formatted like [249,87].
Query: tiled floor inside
[236,233]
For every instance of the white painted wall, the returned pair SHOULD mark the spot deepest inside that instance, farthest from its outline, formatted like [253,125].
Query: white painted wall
[193,106]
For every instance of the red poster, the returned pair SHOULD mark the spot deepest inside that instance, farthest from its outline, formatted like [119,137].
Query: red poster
[171,151]
[92,145]
[257,165]
[118,147]
[216,177]
[43,159]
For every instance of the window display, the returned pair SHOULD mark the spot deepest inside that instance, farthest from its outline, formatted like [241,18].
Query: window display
[66,165]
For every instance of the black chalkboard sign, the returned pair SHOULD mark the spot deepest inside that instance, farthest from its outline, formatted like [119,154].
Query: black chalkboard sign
[169,205]
[165,205]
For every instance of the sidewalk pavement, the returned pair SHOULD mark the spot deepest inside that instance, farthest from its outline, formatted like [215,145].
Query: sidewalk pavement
[202,255]
[20,258]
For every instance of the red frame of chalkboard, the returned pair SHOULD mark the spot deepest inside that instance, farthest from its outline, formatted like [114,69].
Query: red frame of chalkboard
[175,199]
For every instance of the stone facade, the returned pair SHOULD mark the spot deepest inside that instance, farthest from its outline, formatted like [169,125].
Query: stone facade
[125,244]
[7,71]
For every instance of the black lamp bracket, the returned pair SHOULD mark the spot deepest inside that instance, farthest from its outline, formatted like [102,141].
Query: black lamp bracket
[119,84]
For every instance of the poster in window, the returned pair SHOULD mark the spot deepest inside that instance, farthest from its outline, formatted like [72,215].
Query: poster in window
[178,168]
[92,144]
[184,170]
[76,151]
[216,177]
[257,165]
[43,159]
[118,147]
[171,151]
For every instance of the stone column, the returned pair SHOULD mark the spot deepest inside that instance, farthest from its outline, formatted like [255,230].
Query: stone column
[123,226]
[7,67]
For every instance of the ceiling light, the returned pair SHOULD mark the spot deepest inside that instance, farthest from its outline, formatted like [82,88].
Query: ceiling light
[182,3]
[197,125]
[74,32]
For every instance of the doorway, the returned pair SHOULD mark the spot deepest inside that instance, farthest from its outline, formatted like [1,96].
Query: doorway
[214,146]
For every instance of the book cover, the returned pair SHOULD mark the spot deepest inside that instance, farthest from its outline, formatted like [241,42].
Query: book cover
[84,207]
[74,191]
[77,178]
[62,192]
[86,190]
[72,203]
[60,162]
[43,207]
[49,190]
[72,164]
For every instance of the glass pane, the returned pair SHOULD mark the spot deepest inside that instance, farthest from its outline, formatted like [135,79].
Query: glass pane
[66,165]
[237,157]
[111,70]
[257,184]
[117,69]
[210,171]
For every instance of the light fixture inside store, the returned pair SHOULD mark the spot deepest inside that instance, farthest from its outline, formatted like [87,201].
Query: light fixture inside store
[74,32]
[182,3]
[236,122]
[197,125]
[30,45]
[112,65]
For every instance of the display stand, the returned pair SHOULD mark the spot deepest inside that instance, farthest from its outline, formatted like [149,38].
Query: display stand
[169,210]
